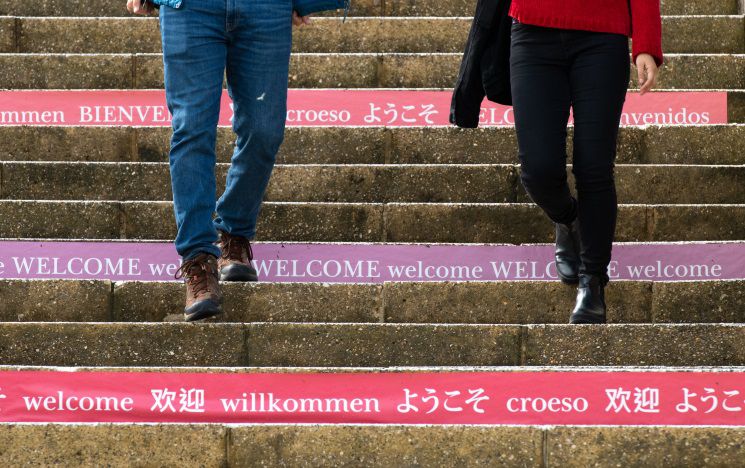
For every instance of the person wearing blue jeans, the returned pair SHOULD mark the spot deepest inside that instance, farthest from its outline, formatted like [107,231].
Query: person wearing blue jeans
[247,43]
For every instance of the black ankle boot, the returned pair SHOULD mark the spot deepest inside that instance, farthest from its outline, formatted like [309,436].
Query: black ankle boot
[590,306]
[567,252]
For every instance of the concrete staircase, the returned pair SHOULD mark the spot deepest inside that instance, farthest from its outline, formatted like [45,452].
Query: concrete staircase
[429,185]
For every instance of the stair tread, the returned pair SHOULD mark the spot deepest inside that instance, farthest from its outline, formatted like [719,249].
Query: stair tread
[391,34]
[320,70]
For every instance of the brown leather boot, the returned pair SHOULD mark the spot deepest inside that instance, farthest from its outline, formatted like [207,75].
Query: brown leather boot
[235,262]
[203,295]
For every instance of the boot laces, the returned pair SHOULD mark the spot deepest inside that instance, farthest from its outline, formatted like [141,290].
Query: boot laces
[196,273]
[234,246]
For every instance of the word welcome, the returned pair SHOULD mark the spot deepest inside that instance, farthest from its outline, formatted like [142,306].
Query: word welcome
[370,263]
[478,397]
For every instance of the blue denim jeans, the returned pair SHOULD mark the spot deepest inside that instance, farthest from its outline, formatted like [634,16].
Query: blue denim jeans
[204,41]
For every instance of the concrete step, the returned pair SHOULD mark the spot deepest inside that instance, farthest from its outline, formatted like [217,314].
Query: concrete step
[368,446]
[358,8]
[674,144]
[522,302]
[369,345]
[681,34]
[665,184]
[124,71]
[368,222]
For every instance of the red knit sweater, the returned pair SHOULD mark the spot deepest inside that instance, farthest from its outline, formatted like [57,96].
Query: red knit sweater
[643,24]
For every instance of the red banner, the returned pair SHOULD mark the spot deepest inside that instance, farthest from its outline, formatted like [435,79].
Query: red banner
[332,108]
[528,398]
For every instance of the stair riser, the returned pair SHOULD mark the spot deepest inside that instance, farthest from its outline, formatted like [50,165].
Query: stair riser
[215,446]
[718,144]
[445,223]
[295,446]
[360,345]
[382,184]
[358,8]
[726,34]
[124,71]
[477,303]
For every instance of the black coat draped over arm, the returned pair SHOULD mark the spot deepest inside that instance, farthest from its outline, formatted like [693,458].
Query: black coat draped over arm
[485,69]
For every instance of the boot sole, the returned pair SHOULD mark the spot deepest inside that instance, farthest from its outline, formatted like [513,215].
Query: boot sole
[238,273]
[581,319]
[202,310]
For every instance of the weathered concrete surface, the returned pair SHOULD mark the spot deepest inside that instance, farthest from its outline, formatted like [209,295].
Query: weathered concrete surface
[258,302]
[510,223]
[294,183]
[43,143]
[701,72]
[89,35]
[62,8]
[106,71]
[292,345]
[736,106]
[314,145]
[724,34]
[674,144]
[493,223]
[7,35]
[55,300]
[334,71]
[645,446]
[358,8]
[343,183]
[453,146]
[466,7]
[317,222]
[296,221]
[364,222]
[397,34]
[63,220]
[398,446]
[383,35]
[148,71]
[680,184]
[710,144]
[353,445]
[699,301]
[334,145]
[523,302]
[85,181]
[697,222]
[28,71]
[383,184]
[507,302]
[101,344]
[112,445]
[635,345]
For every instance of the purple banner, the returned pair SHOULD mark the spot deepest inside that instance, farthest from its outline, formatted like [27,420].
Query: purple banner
[369,263]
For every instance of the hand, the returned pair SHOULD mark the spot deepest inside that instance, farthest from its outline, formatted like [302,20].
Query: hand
[140,7]
[647,70]
[300,21]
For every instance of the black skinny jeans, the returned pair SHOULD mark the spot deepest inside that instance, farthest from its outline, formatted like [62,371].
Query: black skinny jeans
[551,71]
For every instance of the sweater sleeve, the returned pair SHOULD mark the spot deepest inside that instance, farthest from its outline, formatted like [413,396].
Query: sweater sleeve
[646,29]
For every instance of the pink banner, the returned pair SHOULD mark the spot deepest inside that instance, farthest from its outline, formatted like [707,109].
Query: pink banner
[331,108]
[370,263]
[527,398]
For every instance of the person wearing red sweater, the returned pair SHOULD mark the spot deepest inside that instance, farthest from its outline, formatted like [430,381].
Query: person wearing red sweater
[575,54]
